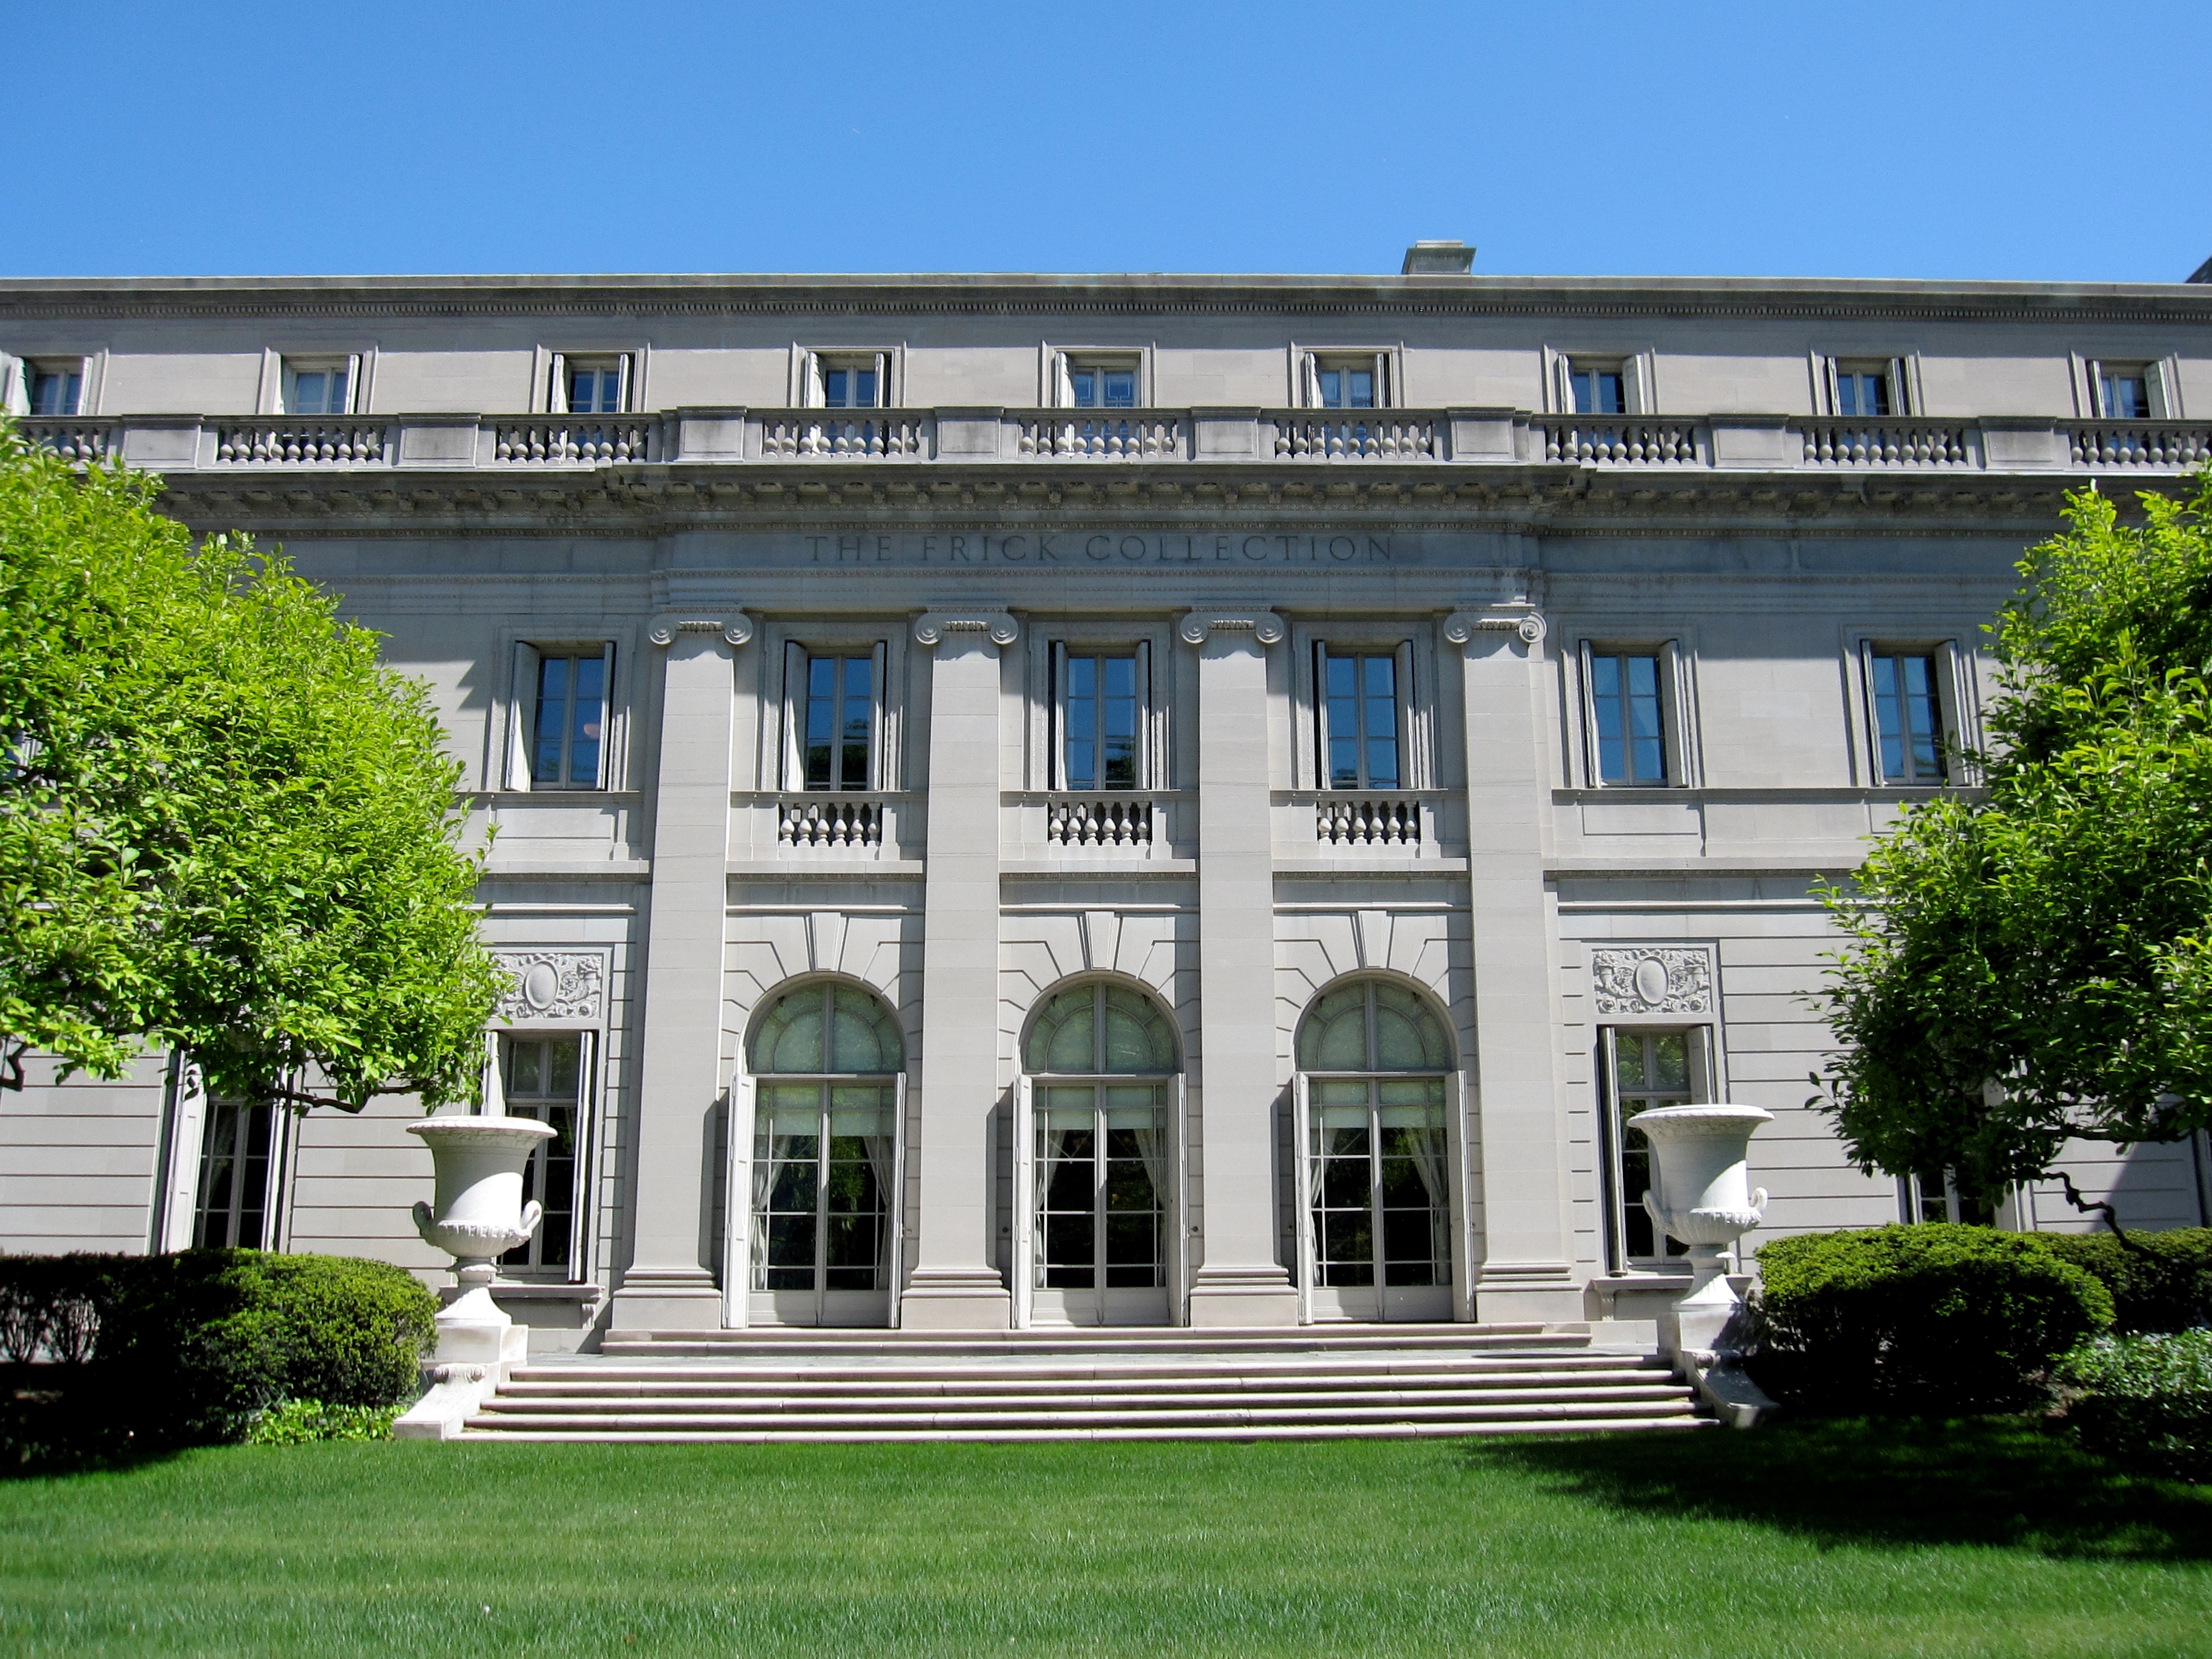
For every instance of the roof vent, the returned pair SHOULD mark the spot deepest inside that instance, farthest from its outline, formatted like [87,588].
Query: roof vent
[1452,259]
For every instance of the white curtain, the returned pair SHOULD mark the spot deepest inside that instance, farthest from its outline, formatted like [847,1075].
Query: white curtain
[1429,1156]
[883,1153]
[1153,1147]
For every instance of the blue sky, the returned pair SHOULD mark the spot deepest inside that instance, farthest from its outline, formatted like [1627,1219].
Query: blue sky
[2030,141]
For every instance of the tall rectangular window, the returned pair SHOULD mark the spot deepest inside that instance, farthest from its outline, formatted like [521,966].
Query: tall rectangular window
[1649,1069]
[849,387]
[1597,391]
[1861,392]
[1908,716]
[56,389]
[237,1156]
[543,1079]
[1099,743]
[595,390]
[1094,386]
[2123,394]
[1628,718]
[1361,710]
[839,738]
[571,695]
[315,388]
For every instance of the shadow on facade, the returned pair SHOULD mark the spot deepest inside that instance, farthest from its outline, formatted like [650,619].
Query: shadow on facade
[1895,1484]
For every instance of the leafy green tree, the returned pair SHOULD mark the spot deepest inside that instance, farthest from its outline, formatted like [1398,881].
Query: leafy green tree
[224,827]
[2034,963]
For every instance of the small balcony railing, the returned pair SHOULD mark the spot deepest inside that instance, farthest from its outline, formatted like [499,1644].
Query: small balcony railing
[1102,820]
[829,823]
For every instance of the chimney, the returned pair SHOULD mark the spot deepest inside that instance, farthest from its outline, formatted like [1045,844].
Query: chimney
[1452,259]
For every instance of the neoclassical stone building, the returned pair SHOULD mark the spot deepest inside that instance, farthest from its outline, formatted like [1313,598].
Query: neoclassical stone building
[1032,800]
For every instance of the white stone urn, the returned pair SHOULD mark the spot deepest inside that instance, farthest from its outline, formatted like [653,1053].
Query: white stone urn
[1704,1198]
[475,1216]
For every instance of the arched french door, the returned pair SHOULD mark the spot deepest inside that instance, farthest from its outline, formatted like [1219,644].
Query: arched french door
[1376,1156]
[1096,1140]
[817,1141]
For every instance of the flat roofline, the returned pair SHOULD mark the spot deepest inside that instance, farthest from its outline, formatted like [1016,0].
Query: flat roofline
[1149,290]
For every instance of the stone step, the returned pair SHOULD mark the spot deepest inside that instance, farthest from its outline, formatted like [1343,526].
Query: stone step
[1134,1390]
[1441,1399]
[1263,1431]
[1048,1374]
[617,1421]
[1129,1339]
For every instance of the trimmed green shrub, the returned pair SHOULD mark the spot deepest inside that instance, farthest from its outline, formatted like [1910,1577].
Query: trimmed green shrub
[296,1422]
[2158,1281]
[197,1342]
[108,1353]
[2144,1400]
[1920,1319]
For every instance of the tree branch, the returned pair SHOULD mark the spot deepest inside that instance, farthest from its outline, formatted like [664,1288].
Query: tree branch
[13,1061]
[2105,1209]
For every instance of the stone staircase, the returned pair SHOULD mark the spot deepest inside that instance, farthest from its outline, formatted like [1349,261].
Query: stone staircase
[1314,1384]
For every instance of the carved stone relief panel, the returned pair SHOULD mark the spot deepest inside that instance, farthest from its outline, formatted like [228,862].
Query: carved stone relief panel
[1653,979]
[568,986]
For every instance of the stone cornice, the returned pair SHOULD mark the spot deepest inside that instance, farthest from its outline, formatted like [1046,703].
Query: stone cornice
[107,298]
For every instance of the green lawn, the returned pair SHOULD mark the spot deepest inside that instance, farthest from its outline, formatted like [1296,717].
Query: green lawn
[1819,1541]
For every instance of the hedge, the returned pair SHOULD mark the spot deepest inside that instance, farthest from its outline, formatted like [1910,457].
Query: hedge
[1934,1318]
[2144,1400]
[189,1348]
[2158,1281]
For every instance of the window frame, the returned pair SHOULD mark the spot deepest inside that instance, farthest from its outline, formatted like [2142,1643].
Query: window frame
[1676,696]
[1061,651]
[1900,373]
[75,372]
[1956,707]
[563,365]
[1386,363]
[1707,1082]
[1059,365]
[348,365]
[811,367]
[1399,654]
[575,1270]
[1637,367]
[797,654]
[275,1174]
[2158,385]
[518,773]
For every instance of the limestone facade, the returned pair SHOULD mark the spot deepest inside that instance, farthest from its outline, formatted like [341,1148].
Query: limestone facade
[1486,664]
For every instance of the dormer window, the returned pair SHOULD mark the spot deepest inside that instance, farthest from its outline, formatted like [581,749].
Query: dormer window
[318,386]
[1096,385]
[56,388]
[1597,390]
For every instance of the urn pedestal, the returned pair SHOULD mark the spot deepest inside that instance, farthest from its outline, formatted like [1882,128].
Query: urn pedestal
[1704,1198]
[475,1216]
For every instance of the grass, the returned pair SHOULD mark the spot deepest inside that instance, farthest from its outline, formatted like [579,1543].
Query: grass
[1819,1541]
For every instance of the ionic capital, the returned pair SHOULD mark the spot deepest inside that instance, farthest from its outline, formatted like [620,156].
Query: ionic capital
[1264,626]
[1515,616]
[735,627]
[934,627]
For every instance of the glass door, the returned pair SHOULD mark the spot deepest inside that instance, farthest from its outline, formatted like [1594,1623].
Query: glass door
[1378,1181]
[822,1173]
[1100,1249]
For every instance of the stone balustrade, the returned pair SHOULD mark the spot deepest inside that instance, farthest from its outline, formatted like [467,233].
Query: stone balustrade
[1884,443]
[1102,820]
[829,822]
[1367,820]
[1439,440]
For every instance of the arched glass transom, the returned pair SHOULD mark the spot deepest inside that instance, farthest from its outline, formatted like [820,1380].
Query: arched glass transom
[1100,1031]
[1377,1179]
[1100,1056]
[824,1126]
[1373,1026]
[827,1028]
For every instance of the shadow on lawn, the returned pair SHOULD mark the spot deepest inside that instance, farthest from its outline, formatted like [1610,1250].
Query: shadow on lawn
[1895,1482]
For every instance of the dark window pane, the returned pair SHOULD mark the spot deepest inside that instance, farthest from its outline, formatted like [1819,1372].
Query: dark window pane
[1085,384]
[1070,1253]
[1345,1183]
[821,719]
[1361,388]
[791,1244]
[1347,1241]
[792,1186]
[588,706]
[864,388]
[1121,389]
[857,727]
[552,720]
[836,389]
